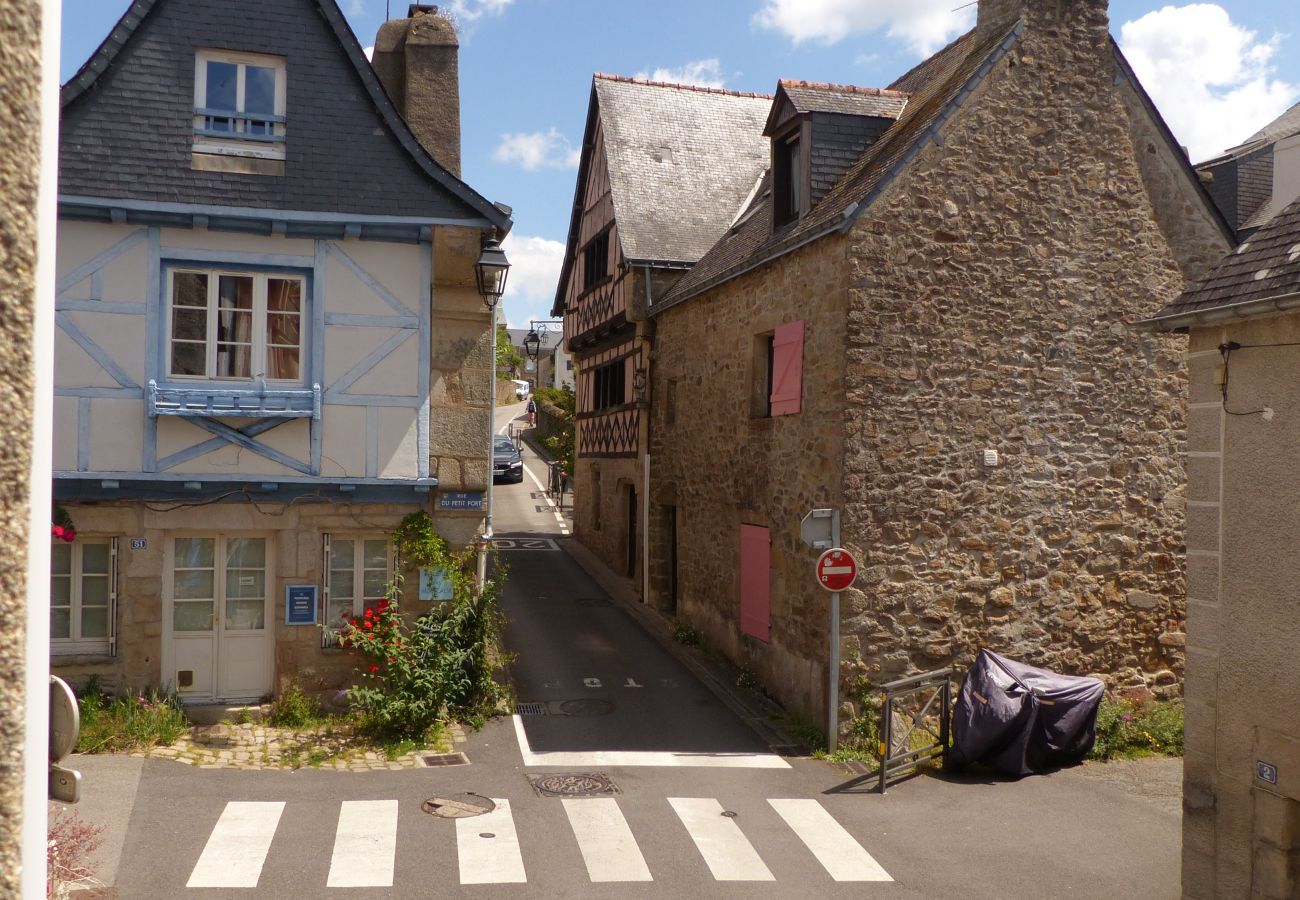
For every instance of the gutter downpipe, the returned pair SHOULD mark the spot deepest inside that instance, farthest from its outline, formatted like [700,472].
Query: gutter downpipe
[645,475]
[485,540]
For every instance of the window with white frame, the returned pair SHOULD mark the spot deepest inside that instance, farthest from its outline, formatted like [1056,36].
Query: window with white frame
[359,568]
[239,104]
[238,326]
[83,595]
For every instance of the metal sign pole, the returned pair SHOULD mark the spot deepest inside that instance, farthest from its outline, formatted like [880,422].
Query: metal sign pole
[833,685]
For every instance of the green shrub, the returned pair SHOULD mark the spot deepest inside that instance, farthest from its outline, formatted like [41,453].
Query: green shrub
[688,635]
[562,399]
[295,709]
[414,676]
[124,724]
[1129,730]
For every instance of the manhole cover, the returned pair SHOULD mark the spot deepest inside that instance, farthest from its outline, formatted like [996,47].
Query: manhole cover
[573,784]
[586,707]
[433,760]
[458,806]
[592,601]
[530,709]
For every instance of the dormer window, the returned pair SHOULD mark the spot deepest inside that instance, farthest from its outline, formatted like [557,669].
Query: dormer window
[788,193]
[239,104]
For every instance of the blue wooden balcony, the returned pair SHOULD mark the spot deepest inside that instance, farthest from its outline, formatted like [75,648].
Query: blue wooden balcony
[254,401]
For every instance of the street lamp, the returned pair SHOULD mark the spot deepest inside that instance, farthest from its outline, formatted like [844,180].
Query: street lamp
[490,272]
[532,344]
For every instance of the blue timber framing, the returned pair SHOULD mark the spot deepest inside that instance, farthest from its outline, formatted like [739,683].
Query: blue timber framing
[188,488]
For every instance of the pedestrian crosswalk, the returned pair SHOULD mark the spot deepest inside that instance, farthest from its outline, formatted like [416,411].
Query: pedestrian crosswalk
[489,848]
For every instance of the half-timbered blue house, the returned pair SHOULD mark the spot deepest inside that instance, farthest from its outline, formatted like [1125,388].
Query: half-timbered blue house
[266,331]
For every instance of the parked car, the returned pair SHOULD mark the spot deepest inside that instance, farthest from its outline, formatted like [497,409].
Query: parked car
[507,465]
[522,389]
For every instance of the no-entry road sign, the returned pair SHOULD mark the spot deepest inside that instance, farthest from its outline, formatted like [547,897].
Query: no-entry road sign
[836,569]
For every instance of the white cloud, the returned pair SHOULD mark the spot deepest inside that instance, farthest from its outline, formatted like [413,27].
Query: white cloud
[469,11]
[370,52]
[702,72]
[924,25]
[1211,79]
[356,7]
[534,272]
[537,150]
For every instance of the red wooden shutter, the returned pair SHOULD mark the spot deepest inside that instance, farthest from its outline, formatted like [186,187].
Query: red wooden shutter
[755,581]
[787,368]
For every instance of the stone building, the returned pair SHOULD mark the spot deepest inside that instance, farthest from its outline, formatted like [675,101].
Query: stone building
[922,317]
[1241,770]
[650,152]
[270,343]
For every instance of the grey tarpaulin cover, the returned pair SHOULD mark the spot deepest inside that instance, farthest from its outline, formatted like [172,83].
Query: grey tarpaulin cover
[1020,719]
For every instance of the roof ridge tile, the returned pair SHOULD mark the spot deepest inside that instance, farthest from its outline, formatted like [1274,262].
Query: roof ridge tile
[841,88]
[703,89]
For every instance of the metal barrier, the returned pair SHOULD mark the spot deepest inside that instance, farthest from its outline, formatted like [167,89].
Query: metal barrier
[557,482]
[895,761]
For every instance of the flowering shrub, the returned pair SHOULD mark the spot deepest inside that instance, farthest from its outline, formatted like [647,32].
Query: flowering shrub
[63,529]
[413,676]
[1129,730]
[126,723]
[71,841]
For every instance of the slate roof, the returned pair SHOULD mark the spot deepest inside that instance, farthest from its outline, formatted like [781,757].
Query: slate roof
[935,88]
[676,209]
[127,114]
[1263,268]
[842,99]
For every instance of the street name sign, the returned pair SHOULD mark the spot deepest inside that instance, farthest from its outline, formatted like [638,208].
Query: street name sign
[836,569]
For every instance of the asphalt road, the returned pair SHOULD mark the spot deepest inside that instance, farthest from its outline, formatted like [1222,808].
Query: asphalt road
[698,805]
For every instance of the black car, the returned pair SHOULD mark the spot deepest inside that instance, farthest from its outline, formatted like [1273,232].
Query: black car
[507,466]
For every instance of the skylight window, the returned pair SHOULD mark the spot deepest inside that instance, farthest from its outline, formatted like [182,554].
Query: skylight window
[239,104]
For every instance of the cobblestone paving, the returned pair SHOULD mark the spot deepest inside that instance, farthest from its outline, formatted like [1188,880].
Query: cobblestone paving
[257,746]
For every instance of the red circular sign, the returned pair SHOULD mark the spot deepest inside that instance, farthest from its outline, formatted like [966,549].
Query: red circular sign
[836,569]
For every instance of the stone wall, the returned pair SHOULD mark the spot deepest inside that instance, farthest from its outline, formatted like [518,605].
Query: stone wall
[20,132]
[720,466]
[1241,834]
[992,294]
[600,509]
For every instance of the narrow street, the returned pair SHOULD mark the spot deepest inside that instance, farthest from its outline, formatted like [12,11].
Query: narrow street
[689,797]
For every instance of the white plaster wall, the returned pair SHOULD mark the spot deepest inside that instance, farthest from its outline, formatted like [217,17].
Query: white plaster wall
[118,424]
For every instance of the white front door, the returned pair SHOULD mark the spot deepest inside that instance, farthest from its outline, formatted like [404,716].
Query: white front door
[218,594]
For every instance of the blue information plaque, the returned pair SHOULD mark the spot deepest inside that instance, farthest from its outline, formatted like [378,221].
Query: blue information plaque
[300,604]
[460,500]
[435,584]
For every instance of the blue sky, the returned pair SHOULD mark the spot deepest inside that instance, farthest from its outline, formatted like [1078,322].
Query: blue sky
[1218,71]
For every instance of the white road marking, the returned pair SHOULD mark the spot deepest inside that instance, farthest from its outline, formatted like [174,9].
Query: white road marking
[490,860]
[728,853]
[608,847]
[365,845]
[662,758]
[843,857]
[237,847]
[591,682]
[631,682]
[564,526]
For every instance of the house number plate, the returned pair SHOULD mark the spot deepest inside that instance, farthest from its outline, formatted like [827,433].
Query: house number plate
[139,544]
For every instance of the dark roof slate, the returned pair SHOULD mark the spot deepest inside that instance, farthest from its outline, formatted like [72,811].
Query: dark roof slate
[934,88]
[126,122]
[848,100]
[1264,267]
[681,160]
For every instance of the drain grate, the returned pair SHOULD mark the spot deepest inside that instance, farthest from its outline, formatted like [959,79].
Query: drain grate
[436,760]
[458,806]
[586,707]
[573,784]
[530,709]
[592,602]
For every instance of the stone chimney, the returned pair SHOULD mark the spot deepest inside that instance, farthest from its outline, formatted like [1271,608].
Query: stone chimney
[1001,14]
[416,61]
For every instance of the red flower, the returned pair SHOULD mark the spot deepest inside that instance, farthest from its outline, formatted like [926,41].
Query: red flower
[383,605]
[374,668]
[57,531]
[69,535]
[369,612]
[370,625]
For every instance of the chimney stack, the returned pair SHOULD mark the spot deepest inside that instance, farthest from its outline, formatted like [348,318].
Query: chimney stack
[416,59]
[1002,14]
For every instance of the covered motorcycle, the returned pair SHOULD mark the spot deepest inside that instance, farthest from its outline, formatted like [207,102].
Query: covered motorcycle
[1023,720]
